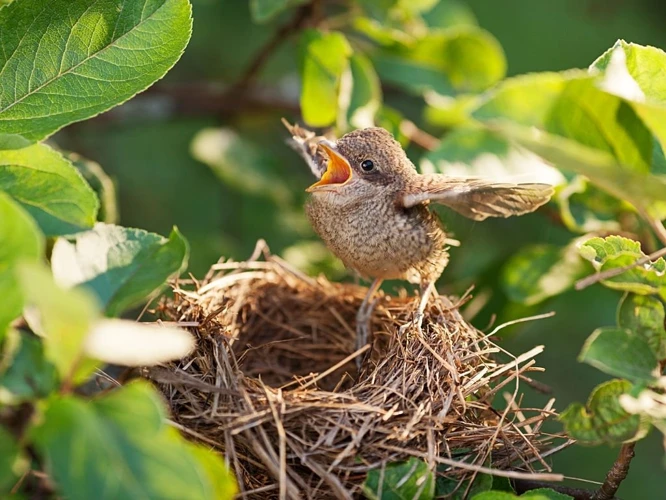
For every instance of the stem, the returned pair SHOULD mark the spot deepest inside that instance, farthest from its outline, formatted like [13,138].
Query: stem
[616,474]
[609,273]
[418,136]
[280,36]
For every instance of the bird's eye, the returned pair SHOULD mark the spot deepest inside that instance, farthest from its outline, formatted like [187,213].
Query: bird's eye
[368,165]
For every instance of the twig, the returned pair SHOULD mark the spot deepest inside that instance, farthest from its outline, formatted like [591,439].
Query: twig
[610,273]
[523,485]
[616,474]
[418,136]
[280,36]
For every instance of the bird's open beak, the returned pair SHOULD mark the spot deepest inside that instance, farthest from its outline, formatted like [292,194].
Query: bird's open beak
[338,171]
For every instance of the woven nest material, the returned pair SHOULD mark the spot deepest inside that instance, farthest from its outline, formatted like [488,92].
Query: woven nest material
[273,385]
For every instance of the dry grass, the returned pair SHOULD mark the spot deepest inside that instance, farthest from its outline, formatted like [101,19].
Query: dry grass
[274,386]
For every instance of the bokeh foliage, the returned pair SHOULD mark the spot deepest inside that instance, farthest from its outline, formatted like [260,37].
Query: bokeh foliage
[205,150]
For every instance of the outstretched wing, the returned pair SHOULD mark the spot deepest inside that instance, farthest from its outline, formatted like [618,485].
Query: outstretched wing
[477,199]
[305,143]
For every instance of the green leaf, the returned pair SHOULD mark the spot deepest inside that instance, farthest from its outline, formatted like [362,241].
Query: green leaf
[450,13]
[101,183]
[628,72]
[20,239]
[536,494]
[615,252]
[63,61]
[644,316]
[62,317]
[584,208]
[25,373]
[620,353]
[477,152]
[538,272]
[324,59]
[603,420]
[12,462]
[391,120]
[453,489]
[401,481]
[366,94]
[124,431]
[121,266]
[49,188]
[450,61]
[264,10]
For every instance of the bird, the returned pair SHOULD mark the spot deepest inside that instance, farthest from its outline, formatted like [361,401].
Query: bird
[372,209]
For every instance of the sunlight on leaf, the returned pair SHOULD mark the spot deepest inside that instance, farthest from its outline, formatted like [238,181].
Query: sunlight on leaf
[121,266]
[366,94]
[324,59]
[128,343]
[64,317]
[50,189]
[93,56]
[20,239]
[616,252]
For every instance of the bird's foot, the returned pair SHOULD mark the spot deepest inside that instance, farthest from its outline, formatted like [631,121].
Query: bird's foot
[415,326]
[363,327]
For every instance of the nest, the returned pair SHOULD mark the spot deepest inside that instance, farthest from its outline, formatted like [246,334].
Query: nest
[274,385]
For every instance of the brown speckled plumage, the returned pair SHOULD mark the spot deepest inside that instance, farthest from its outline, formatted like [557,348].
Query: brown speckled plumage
[378,223]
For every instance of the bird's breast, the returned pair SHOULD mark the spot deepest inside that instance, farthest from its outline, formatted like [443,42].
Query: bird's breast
[379,239]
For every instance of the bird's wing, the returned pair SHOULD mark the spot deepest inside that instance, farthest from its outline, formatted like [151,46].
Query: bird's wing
[305,143]
[477,199]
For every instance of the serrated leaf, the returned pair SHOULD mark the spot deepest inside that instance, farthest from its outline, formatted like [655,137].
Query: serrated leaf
[603,420]
[49,188]
[324,59]
[538,272]
[12,462]
[124,431]
[121,266]
[20,239]
[63,61]
[264,10]
[64,317]
[620,353]
[366,93]
[25,373]
[615,252]
[644,316]
[410,480]
[450,61]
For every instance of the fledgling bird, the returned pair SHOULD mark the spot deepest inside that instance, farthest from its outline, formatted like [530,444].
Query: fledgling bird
[370,207]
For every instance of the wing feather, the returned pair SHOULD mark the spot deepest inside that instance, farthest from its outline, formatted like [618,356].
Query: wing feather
[477,199]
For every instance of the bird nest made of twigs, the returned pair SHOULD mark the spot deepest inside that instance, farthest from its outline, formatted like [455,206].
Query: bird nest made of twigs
[273,385]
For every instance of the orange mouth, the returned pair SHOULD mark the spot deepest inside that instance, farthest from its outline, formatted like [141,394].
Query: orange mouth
[338,171]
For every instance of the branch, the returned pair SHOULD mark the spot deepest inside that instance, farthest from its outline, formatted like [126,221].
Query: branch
[280,36]
[617,473]
[418,136]
[523,485]
[610,273]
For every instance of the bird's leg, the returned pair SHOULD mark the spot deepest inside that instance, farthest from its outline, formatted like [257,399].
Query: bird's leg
[426,290]
[364,315]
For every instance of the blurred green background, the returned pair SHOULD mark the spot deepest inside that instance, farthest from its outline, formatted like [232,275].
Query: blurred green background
[252,185]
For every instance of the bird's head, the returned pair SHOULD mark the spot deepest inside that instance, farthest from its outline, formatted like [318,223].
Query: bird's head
[363,163]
